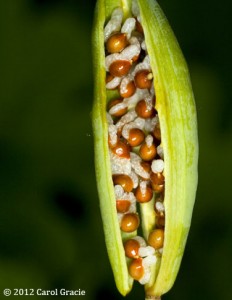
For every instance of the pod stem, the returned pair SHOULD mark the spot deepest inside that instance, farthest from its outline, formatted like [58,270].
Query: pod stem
[153,298]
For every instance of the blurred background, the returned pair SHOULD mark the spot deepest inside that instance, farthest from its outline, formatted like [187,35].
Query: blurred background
[50,226]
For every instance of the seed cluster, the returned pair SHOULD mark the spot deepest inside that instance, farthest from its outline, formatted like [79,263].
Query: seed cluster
[136,151]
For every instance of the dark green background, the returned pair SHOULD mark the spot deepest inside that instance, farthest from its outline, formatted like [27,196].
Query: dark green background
[50,227]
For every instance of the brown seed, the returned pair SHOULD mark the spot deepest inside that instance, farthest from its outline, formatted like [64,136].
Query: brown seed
[122,206]
[160,222]
[143,79]
[120,68]
[160,197]
[124,180]
[136,137]
[135,58]
[143,111]
[143,197]
[132,248]
[136,269]
[116,42]
[120,112]
[147,153]
[109,77]
[139,27]
[130,222]
[156,238]
[157,178]
[129,91]
[158,188]
[157,133]
[146,166]
[121,150]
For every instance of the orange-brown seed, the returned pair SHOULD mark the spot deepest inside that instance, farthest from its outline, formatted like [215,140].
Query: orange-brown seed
[129,91]
[124,180]
[136,269]
[147,153]
[143,111]
[135,58]
[139,27]
[121,150]
[116,42]
[114,102]
[143,79]
[156,238]
[120,68]
[157,133]
[109,77]
[132,248]
[136,137]
[157,178]
[143,197]
[130,222]
[146,166]
[122,206]
[158,188]
[160,221]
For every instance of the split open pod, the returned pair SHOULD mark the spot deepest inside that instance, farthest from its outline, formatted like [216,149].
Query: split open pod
[146,147]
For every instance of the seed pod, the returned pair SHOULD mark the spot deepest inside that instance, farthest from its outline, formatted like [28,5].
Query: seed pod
[178,127]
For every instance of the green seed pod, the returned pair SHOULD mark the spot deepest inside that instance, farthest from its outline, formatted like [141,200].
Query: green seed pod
[177,118]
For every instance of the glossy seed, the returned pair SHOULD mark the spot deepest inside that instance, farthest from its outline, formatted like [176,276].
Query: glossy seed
[158,188]
[156,238]
[129,91]
[121,111]
[121,150]
[143,111]
[130,222]
[146,166]
[143,79]
[124,180]
[143,197]
[116,42]
[136,269]
[136,137]
[122,206]
[132,248]
[120,68]
[157,178]
[147,153]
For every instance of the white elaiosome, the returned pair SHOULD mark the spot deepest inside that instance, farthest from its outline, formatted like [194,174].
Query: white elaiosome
[114,23]
[157,166]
